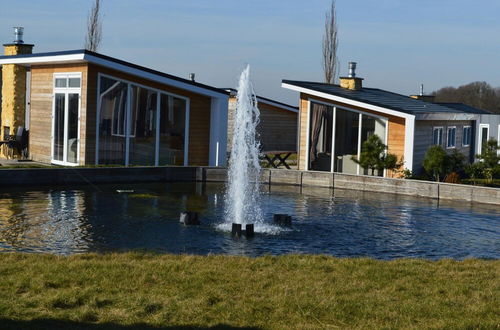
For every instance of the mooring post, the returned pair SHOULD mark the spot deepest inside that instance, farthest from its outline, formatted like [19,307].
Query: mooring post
[249,230]
[236,229]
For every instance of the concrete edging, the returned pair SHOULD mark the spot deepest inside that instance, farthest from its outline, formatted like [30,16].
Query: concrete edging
[81,175]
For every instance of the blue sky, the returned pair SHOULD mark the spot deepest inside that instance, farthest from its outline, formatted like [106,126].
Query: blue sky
[398,44]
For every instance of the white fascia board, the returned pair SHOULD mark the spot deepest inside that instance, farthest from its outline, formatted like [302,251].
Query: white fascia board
[409,142]
[151,76]
[277,105]
[349,101]
[43,59]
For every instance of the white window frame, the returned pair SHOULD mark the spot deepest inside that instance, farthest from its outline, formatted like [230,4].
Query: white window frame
[65,90]
[440,129]
[128,121]
[480,137]
[448,129]
[469,128]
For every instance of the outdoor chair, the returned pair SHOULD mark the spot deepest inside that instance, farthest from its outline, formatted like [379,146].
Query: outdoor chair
[19,143]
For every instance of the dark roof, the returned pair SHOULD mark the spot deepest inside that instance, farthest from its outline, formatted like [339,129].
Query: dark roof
[465,108]
[385,99]
[118,61]
[233,90]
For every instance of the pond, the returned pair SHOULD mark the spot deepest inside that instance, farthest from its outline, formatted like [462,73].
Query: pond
[342,223]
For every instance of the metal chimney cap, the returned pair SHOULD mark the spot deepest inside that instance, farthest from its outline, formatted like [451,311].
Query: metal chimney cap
[191,76]
[352,70]
[18,34]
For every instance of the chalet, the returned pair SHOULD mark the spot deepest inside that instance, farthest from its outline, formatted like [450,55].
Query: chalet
[336,119]
[81,107]
[277,129]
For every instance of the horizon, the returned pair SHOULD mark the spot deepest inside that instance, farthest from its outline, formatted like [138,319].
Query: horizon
[436,44]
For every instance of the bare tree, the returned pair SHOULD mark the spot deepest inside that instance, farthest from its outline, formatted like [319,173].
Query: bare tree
[330,43]
[94,28]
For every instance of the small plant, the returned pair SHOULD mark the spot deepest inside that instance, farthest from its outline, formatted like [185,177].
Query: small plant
[490,159]
[435,161]
[475,171]
[373,156]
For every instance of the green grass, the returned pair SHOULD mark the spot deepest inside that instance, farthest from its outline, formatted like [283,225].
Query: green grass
[146,291]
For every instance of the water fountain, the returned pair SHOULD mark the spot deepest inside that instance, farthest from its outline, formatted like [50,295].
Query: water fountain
[242,193]
[243,213]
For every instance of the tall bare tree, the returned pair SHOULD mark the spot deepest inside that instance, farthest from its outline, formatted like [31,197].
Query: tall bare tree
[94,28]
[330,43]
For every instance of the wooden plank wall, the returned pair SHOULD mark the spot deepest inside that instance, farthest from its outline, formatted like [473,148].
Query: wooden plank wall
[395,134]
[277,128]
[199,117]
[41,109]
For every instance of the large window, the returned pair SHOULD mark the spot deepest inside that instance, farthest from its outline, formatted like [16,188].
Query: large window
[140,126]
[451,137]
[350,130]
[143,126]
[172,130]
[112,121]
[466,136]
[346,141]
[320,137]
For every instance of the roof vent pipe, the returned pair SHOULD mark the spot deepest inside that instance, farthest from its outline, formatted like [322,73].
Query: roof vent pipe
[352,70]
[18,33]
[191,76]
[421,89]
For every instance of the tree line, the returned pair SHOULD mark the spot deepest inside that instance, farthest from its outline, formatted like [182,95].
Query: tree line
[477,94]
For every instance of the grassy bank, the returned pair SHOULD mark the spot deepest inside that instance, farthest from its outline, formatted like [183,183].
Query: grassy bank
[141,291]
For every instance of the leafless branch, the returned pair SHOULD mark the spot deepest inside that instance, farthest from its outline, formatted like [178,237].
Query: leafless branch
[330,43]
[94,28]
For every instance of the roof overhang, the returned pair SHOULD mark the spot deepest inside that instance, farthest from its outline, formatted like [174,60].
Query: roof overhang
[348,101]
[447,116]
[72,57]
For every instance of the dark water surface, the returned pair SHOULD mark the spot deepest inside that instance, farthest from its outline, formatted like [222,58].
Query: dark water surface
[344,223]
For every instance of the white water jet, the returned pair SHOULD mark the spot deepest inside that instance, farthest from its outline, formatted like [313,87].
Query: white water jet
[242,198]
[242,192]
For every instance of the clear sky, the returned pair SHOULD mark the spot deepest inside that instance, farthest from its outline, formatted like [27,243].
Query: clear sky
[398,44]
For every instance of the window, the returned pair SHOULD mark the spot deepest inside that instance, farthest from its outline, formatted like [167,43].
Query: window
[437,136]
[450,137]
[138,125]
[466,136]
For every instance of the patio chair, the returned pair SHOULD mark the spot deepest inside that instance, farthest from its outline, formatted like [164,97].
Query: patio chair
[19,143]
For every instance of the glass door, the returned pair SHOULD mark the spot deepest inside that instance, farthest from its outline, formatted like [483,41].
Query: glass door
[65,121]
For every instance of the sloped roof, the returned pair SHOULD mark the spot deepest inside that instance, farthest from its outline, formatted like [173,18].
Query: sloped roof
[386,99]
[83,55]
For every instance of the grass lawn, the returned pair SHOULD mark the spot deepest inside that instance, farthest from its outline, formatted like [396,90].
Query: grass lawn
[148,291]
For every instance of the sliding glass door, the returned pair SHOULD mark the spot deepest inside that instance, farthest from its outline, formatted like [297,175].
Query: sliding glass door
[65,120]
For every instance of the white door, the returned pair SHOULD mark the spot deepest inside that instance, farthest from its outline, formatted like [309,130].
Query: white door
[65,121]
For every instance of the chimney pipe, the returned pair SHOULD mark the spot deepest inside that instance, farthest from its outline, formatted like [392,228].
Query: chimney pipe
[421,89]
[191,76]
[352,70]
[18,33]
